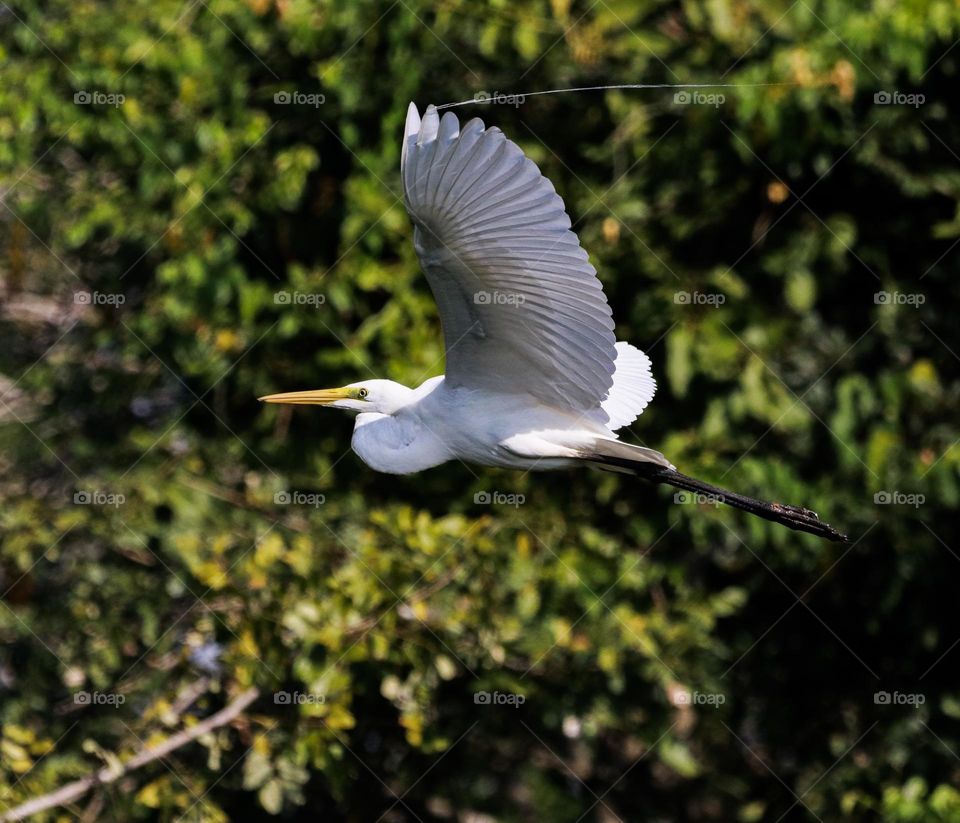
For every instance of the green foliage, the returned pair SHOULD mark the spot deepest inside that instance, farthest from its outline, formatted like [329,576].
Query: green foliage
[655,660]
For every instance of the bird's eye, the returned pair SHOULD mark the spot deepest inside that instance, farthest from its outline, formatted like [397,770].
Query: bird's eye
[362,393]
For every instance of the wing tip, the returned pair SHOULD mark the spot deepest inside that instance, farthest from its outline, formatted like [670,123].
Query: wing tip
[429,125]
[426,127]
[412,125]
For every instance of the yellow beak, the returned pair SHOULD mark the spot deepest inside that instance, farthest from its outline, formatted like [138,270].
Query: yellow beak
[314,397]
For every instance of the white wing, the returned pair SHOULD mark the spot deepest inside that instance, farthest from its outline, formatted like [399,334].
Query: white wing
[521,306]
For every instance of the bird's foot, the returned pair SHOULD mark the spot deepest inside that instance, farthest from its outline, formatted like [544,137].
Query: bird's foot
[799,510]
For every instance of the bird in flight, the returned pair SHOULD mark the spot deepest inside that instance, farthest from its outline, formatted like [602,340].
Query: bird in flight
[535,378]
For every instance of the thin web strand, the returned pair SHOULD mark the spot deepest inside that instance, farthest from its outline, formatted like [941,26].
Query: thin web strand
[482,97]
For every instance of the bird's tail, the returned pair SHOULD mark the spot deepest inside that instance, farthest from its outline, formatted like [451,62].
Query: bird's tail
[651,465]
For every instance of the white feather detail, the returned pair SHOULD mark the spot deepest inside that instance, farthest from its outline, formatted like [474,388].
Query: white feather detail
[522,309]
[633,387]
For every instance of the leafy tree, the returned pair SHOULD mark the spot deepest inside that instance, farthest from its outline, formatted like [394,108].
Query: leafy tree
[201,205]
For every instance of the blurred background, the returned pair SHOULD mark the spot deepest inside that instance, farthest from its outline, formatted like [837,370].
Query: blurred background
[201,204]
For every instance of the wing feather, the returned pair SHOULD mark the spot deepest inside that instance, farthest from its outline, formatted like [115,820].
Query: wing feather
[522,309]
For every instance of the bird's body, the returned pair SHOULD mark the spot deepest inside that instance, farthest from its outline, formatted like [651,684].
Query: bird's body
[436,423]
[534,379]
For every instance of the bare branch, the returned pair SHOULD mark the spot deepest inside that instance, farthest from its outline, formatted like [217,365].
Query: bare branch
[75,790]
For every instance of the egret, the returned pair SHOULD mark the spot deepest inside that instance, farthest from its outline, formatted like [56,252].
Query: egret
[535,378]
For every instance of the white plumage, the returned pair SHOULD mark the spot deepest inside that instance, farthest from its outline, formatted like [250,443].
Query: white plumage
[534,376]
[511,281]
[633,387]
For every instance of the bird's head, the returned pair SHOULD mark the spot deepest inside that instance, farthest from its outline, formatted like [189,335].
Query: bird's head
[379,396]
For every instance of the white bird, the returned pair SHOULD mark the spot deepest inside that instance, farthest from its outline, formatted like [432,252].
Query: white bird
[535,378]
